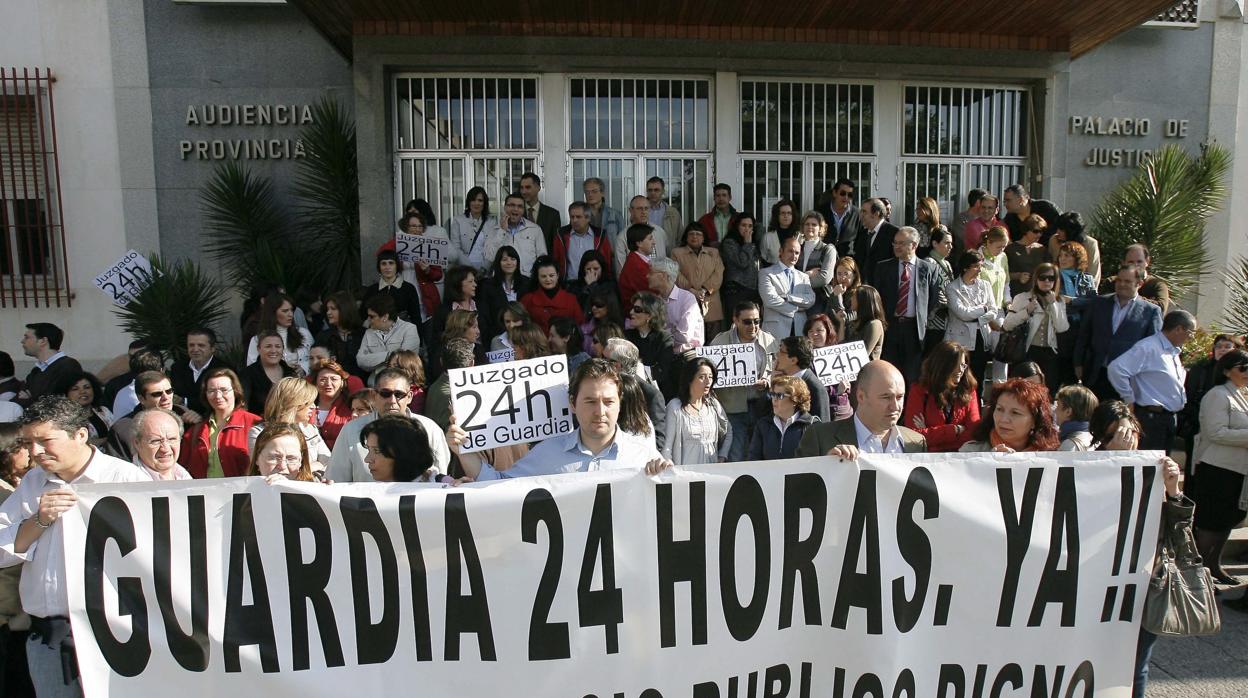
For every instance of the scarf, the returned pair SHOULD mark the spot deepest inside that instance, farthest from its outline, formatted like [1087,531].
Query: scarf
[1068,428]
[996,440]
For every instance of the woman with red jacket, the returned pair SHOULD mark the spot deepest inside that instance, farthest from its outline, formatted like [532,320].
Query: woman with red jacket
[943,404]
[549,300]
[217,446]
[333,403]
[635,275]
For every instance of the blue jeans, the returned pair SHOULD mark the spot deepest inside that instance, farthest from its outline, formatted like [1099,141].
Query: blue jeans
[1143,653]
[742,427]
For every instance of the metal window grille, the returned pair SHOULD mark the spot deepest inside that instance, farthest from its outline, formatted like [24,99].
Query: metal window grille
[456,132]
[965,121]
[639,114]
[804,180]
[687,184]
[619,176]
[807,117]
[33,267]
[466,113]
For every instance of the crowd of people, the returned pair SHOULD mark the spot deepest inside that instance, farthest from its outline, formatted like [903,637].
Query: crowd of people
[987,334]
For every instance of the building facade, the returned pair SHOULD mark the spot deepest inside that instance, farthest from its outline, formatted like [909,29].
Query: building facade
[150,97]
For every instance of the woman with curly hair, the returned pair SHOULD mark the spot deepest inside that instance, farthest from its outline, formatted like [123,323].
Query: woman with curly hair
[1019,418]
[85,389]
[943,404]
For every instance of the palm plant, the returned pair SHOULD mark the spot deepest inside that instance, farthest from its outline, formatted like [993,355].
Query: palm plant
[1235,314]
[1165,206]
[328,189]
[250,237]
[180,297]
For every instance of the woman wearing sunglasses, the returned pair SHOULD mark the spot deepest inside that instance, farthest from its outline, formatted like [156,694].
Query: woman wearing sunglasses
[1044,312]
[777,435]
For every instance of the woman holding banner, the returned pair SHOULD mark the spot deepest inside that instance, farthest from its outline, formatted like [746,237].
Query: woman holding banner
[943,405]
[697,428]
[1019,418]
[281,453]
[398,451]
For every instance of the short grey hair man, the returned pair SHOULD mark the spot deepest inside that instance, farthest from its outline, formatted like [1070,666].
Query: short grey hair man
[665,266]
[624,353]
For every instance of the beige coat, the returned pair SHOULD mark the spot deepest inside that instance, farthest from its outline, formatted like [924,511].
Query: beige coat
[1223,437]
[702,270]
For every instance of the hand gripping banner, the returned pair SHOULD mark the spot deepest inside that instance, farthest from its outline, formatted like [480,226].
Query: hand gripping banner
[943,575]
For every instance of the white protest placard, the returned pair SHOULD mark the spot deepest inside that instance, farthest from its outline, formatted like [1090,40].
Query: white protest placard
[500,356]
[123,280]
[422,248]
[941,575]
[736,365]
[840,363]
[511,403]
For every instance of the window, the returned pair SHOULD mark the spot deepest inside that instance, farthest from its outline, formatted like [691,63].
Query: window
[648,127]
[33,269]
[799,137]
[956,138]
[453,133]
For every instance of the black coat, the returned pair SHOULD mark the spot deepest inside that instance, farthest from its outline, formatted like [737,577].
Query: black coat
[256,385]
[767,443]
[656,352]
[880,249]
[492,300]
[186,387]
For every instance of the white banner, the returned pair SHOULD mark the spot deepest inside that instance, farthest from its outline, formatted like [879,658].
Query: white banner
[736,365]
[840,363]
[943,575]
[123,280]
[422,248]
[513,402]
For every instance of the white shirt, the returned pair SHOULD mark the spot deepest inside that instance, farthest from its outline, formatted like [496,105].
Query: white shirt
[43,365]
[870,443]
[125,402]
[43,588]
[1150,374]
[784,424]
[1120,312]
[196,372]
[10,411]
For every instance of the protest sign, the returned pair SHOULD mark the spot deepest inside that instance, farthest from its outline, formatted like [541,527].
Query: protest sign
[125,278]
[500,356]
[512,402]
[735,364]
[413,249]
[920,575]
[840,363]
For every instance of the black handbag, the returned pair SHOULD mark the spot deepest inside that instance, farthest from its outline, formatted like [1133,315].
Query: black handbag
[1012,347]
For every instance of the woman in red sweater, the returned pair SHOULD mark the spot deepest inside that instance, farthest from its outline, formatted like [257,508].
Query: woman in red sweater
[549,300]
[217,446]
[634,276]
[943,404]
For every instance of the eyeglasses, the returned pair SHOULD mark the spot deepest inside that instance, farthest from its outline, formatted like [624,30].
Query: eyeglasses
[395,394]
[777,396]
[749,321]
[638,309]
[1047,277]
[156,444]
[219,391]
[275,458]
[160,393]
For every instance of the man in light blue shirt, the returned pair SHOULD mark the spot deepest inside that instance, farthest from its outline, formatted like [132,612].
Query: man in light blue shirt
[597,444]
[1149,377]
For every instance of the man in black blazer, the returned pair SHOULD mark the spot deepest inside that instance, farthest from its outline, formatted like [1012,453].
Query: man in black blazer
[881,394]
[1111,325]
[844,223]
[546,217]
[875,242]
[42,342]
[907,322]
[188,376]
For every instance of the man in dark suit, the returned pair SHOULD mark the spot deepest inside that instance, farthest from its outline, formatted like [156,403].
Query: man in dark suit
[794,358]
[844,223]
[873,429]
[919,279]
[42,342]
[546,217]
[1111,325]
[188,377]
[875,242]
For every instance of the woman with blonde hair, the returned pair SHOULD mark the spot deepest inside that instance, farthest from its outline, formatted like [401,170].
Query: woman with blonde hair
[1042,310]
[777,435]
[293,401]
[281,452]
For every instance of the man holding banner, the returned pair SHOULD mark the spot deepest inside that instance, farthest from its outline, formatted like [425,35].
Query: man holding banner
[30,534]
[597,444]
[874,429]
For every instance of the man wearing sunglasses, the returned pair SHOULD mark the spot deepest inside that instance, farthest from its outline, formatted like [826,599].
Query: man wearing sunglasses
[740,402]
[838,209]
[154,390]
[394,394]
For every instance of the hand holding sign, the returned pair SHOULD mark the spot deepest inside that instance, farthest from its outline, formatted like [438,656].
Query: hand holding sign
[509,403]
[840,363]
[422,249]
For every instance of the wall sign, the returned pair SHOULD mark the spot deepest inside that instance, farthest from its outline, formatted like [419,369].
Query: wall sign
[246,146]
[1124,127]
